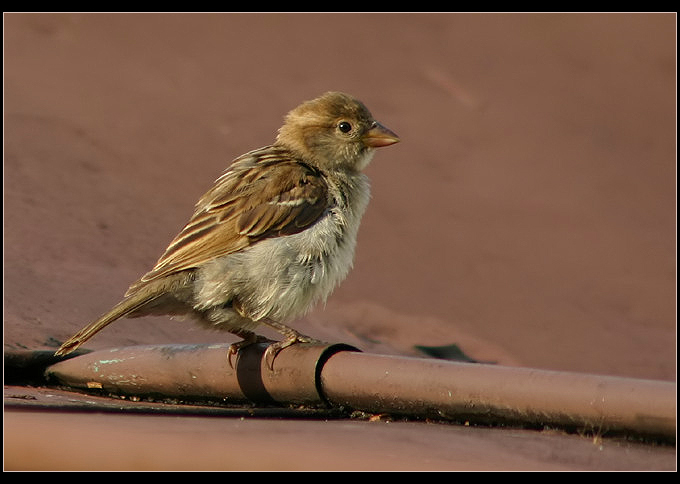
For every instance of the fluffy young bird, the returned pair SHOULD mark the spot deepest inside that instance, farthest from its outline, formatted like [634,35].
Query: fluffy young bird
[273,236]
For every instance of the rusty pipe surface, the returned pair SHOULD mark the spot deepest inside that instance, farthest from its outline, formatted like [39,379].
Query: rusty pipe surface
[200,371]
[496,394]
[340,376]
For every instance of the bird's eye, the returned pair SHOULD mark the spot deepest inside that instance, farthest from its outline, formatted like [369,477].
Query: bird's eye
[345,127]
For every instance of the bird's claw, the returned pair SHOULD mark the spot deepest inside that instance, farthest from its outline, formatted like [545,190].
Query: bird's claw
[274,349]
[234,348]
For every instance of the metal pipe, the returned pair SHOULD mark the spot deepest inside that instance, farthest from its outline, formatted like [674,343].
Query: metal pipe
[338,375]
[200,372]
[495,394]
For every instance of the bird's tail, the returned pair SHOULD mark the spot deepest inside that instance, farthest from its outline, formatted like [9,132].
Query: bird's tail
[127,306]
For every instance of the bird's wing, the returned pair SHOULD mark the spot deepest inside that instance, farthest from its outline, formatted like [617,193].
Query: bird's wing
[265,193]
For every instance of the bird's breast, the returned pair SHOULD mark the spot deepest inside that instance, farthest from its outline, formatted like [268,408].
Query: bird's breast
[281,278]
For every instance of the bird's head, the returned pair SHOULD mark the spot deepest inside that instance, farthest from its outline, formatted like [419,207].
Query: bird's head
[335,131]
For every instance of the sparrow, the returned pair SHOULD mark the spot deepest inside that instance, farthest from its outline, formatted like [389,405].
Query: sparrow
[274,235]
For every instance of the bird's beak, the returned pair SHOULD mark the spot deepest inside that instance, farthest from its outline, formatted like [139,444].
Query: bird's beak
[378,136]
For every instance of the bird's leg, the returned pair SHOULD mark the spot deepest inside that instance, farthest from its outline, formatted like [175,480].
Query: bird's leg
[249,338]
[291,337]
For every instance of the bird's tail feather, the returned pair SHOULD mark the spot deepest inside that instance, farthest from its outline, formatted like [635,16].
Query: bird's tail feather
[123,308]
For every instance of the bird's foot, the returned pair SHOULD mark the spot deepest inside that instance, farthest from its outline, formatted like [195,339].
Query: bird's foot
[292,337]
[248,339]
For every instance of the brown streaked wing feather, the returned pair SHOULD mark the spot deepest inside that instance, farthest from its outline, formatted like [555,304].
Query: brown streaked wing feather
[265,193]
[295,197]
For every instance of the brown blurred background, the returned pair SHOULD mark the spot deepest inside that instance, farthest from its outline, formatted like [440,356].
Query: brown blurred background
[528,215]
